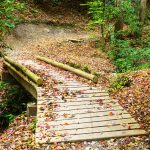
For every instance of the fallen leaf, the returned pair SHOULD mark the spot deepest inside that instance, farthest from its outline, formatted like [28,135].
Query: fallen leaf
[111,114]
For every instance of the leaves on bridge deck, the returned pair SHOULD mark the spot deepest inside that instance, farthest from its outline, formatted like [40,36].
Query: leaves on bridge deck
[19,134]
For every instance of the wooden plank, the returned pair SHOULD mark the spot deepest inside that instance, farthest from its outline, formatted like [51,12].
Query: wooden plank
[74,103]
[105,96]
[28,85]
[96,113]
[92,94]
[84,123]
[86,110]
[64,107]
[95,136]
[103,113]
[101,117]
[78,88]
[93,130]
[79,103]
[75,99]
[88,91]
[93,91]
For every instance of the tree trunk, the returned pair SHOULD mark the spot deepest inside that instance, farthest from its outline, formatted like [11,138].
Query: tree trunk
[142,10]
[119,22]
[68,68]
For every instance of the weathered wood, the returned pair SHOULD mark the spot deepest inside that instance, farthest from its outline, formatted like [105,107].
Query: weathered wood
[81,103]
[85,110]
[23,80]
[74,40]
[80,89]
[77,99]
[25,71]
[91,136]
[75,87]
[68,68]
[94,106]
[60,116]
[80,97]
[97,129]
[103,116]
[86,122]
[31,109]
[80,112]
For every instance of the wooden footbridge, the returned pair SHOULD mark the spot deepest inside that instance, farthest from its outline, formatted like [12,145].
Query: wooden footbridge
[70,110]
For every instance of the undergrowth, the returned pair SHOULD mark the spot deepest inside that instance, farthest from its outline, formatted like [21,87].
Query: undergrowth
[119,82]
[84,68]
[9,14]
[33,125]
[130,55]
[13,102]
[78,66]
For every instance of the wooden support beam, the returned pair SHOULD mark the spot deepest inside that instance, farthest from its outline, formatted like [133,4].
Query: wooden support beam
[68,68]
[31,109]
[25,71]
[23,80]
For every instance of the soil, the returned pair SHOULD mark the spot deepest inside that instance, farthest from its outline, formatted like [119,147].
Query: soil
[67,45]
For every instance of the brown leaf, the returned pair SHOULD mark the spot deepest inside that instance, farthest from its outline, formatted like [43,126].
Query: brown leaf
[111,113]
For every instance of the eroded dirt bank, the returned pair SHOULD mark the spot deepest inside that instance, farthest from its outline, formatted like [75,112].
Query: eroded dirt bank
[68,45]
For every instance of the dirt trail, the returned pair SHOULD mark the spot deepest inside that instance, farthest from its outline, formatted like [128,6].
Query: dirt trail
[29,40]
[26,37]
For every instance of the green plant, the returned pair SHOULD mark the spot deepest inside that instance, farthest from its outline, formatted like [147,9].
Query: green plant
[128,58]
[8,8]
[13,102]
[32,125]
[79,66]
[86,69]
[119,82]
[107,14]
[15,99]
[74,65]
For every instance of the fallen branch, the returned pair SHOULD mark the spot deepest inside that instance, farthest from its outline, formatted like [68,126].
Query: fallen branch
[25,71]
[68,68]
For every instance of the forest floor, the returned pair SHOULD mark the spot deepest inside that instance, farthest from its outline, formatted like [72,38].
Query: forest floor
[60,35]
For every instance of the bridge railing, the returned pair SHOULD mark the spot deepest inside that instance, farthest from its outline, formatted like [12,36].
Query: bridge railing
[24,76]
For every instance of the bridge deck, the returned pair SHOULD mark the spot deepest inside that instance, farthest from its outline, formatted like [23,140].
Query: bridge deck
[81,113]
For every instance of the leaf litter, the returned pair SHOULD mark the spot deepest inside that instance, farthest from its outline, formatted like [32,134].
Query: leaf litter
[135,98]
